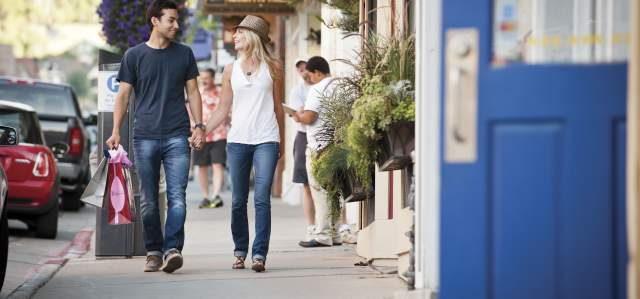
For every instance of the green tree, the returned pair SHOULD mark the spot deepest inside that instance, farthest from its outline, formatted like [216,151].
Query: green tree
[28,24]
[78,80]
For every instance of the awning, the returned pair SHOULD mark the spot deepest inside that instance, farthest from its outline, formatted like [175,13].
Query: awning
[243,7]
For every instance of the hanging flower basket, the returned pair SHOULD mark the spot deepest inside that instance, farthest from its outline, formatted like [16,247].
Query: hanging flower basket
[396,145]
[125,24]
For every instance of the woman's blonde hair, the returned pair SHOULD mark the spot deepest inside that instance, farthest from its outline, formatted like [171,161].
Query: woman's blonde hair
[257,50]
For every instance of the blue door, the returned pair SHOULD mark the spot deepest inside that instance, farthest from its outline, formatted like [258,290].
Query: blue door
[534,206]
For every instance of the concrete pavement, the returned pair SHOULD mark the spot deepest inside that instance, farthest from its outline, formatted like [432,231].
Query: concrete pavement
[28,253]
[292,271]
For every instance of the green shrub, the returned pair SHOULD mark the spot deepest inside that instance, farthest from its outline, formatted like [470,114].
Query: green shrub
[328,168]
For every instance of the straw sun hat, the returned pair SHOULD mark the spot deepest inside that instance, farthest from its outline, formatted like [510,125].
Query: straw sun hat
[257,25]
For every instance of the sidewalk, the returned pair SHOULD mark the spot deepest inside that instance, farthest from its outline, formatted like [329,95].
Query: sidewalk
[292,271]
[29,254]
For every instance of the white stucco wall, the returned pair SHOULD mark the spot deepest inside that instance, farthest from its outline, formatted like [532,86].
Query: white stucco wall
[336,46]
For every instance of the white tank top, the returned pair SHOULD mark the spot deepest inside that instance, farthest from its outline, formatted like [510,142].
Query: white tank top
[253,120]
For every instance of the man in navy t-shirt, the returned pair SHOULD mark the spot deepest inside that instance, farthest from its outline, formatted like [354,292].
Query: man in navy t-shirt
[158,72]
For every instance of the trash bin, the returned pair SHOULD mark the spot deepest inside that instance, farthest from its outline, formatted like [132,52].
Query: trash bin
[125,239]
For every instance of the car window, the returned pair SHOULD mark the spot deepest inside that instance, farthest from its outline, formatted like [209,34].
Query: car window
[45,100]
[24,122]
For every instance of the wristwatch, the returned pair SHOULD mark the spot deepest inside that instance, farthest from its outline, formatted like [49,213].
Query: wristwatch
[201,126]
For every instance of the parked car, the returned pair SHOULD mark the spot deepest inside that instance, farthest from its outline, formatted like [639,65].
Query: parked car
[8,137]
[30,166]
[91,125]
[61,119]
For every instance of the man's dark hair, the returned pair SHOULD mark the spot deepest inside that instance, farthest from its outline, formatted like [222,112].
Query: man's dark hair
[156,7]
[317,63]
[211,72]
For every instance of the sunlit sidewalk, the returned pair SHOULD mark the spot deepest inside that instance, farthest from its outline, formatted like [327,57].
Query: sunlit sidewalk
[292,271]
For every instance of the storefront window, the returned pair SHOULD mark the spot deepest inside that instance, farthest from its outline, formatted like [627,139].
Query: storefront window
[372,15]
[410,8]
[560,31]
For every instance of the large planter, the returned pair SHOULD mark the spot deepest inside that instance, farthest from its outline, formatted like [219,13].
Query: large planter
[396,145]
[353,190]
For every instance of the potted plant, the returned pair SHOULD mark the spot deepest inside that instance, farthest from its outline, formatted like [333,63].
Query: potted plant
[384,115]
[398,141]
[330,166]
[349,19]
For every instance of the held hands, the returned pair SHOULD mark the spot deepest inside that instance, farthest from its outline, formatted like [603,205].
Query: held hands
[197,139]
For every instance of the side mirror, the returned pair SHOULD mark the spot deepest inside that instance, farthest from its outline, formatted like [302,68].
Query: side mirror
[59,148]
[8,136]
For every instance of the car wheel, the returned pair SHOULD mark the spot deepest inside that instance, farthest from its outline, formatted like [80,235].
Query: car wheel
[71,200]
[47,224]
[4,247]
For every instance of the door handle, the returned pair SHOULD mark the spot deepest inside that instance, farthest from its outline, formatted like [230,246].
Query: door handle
[455,76]
[461,97]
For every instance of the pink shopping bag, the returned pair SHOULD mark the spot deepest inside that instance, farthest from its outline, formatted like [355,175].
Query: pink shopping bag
[118,190]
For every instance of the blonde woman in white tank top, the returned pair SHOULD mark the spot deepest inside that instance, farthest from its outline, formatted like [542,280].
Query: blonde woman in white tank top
[251,91]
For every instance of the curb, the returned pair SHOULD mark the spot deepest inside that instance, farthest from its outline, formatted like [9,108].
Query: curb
[45,271]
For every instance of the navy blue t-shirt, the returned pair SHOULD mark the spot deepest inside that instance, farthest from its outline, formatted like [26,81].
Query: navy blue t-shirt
[158,77]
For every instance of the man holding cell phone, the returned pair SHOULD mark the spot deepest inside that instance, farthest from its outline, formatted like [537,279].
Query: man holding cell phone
[297,100]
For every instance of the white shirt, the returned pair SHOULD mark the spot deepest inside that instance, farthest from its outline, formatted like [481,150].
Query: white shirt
[297,98]
[317,92]
[253,120]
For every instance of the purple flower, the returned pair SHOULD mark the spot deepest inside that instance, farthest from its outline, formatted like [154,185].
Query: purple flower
[124,22]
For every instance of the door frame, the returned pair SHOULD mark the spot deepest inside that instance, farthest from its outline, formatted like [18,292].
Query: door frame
[428,147]
[428,114]
[633,156]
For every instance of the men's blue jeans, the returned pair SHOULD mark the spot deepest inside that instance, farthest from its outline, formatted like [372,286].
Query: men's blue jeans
[175,154]
[240,158]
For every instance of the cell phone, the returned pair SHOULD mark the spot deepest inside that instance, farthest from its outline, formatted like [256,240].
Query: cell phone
[288,109]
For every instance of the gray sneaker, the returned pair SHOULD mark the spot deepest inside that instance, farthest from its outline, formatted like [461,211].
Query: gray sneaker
[172,261]
[153,263]
[205,203]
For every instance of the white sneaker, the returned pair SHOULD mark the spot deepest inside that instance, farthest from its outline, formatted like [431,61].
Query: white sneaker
[309,233]
[347,235]
[323,237]
[336,238]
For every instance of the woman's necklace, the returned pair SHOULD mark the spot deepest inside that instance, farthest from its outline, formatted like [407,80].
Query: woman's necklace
[250,75]
[250,72]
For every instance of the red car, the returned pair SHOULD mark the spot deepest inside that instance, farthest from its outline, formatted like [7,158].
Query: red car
[30,166]
[8,137]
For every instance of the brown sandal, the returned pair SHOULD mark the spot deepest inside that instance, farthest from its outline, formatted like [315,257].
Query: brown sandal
[239,263]
[258,266]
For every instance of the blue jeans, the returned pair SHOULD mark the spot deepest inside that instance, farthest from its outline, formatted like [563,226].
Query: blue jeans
[240,158]
[175,154]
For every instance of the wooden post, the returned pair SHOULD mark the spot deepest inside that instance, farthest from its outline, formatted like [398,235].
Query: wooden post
[279,36]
